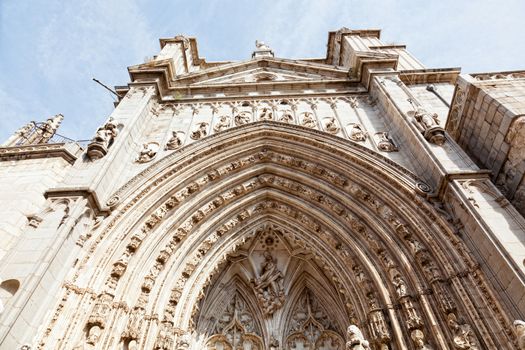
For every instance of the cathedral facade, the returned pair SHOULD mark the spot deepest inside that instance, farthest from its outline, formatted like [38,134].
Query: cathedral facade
[356,201]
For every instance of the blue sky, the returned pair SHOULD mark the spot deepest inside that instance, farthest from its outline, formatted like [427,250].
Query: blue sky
[50,50]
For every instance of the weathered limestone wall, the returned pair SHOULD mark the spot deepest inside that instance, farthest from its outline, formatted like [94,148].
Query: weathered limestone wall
[430,161]
[23,185]
[486,120]
[495,233]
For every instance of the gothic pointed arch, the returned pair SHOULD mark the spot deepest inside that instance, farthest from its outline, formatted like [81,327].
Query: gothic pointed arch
[271,226]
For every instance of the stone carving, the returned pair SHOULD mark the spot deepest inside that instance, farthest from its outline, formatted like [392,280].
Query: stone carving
[175,140]
[428,125]
[286,117]
[355,339]
[148,152]
[236,328]
[357,133]
[331,126]
[266,114]
[133,327]
[498,76]
[242,118]
[165,339]
[261,45]
[384,143]
[378,325]
[464,337]
[418,338]
[519,327]
[353,101]
[399,283]
[269,285]
[310,326]
[222,124]
[98,318]
[200,131]
[104,138]
[308,120]
[456,111]
[34,220]
[184,342]
[274,343]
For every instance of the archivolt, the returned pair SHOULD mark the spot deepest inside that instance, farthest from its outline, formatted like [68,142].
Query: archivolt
[365,219]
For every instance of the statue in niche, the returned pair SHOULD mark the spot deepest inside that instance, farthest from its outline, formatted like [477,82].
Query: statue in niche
[266,114]
[384,143]
[331,125]
[200,132]
[428,124]
[104,138]
[519,327]
[222,124]
[242,118]
[418,338]
[175,140]
[308,120]
[286,117]
[269,286]
[399,283]
[464,337]
[355,339]
[356,133]
[148,152]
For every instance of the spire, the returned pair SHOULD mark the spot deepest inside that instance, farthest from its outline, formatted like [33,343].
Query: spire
[262,50]
[35,133]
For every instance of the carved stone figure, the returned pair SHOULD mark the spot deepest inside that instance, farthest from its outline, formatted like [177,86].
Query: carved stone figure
[261,45]
[133,327]
[379,328]
[200,131]
[519,327]
[464,337]
[355,339]
[308,120]
[184,342]
[428,124]
[286,117]
[384,143]
[98,317]
[222,124]
[418,338]
[266,114]
[331,125]
[148,152]
[399,283]
[269,286]
[242,118]
[274,343]
[356,133]
[104,138]
[175,140]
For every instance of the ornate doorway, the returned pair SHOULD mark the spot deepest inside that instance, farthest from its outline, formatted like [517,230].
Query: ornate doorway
[272,294]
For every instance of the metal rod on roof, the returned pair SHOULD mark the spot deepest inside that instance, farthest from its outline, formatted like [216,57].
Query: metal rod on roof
[105,87]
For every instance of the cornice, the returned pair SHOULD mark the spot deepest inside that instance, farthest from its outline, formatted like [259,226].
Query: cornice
[67,151]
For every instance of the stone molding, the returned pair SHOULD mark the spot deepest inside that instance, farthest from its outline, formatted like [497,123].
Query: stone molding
[67,151]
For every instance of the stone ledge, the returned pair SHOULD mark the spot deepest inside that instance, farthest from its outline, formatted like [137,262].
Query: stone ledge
[68,151]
